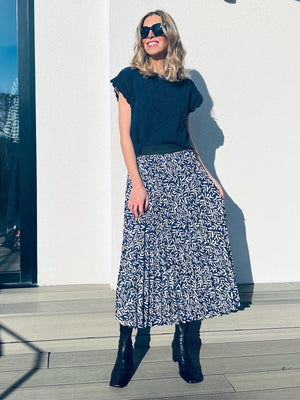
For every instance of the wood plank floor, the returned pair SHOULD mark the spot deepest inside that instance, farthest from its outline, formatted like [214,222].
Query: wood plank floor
[59,343]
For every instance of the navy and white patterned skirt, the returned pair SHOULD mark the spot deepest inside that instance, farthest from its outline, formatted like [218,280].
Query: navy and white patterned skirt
[176,263]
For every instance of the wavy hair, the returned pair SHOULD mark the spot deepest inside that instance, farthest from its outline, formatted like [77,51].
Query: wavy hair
[174,63]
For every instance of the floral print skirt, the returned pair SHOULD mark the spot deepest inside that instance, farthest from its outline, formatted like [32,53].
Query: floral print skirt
[176,263]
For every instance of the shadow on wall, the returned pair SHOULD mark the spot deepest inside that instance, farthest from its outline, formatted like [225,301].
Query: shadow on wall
[207,137]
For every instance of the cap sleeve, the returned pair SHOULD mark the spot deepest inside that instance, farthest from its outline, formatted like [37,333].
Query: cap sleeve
[122,83]
[196,98]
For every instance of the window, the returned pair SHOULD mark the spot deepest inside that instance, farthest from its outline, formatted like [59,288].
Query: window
[17,145]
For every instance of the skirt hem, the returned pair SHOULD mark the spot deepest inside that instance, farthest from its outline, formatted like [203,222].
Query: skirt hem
[169,323]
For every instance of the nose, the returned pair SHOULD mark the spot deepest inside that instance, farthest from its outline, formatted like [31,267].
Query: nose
[150,34]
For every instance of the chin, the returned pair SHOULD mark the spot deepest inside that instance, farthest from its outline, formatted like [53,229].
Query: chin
[155,52]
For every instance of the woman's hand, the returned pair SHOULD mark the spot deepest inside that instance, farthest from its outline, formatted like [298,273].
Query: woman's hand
[219,187]
[138,201]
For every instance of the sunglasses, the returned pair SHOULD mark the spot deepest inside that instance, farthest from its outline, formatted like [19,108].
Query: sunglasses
[156,29]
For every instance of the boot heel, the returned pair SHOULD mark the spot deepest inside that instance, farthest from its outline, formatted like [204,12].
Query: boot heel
[174,357]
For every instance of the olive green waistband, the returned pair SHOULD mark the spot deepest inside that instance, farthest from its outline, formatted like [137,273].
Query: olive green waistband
[160,149]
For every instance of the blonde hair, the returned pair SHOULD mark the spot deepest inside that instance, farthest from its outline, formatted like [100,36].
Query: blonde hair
[174,63]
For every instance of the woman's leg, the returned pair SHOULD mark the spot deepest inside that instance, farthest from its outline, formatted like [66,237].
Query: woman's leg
[187,371]
[121,372]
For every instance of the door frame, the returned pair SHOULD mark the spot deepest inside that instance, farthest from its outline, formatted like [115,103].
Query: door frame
[27,131]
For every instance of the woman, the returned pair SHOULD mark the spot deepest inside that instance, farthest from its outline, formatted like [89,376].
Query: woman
[176,264]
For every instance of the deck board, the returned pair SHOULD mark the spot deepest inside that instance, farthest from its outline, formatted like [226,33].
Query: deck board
[265,380]
[216,351]
[95,392]
[62,326]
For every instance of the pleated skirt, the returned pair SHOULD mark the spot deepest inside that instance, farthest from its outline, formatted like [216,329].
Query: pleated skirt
[176,263]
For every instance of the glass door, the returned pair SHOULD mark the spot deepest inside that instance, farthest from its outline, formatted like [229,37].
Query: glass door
[17,134]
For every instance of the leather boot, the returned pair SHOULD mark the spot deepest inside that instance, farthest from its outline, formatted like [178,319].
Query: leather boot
[120,375]
[187,371]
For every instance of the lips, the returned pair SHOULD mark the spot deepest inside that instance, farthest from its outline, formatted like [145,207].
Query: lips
[152,43]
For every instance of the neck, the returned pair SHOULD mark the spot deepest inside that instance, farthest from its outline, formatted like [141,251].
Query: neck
[158,65]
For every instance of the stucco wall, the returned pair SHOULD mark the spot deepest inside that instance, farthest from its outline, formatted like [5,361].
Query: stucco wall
[73,141]
[243,57]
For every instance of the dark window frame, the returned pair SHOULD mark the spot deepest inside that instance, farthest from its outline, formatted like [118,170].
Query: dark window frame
[27,121]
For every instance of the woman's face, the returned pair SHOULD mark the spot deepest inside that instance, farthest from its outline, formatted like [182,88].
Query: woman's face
[155,46]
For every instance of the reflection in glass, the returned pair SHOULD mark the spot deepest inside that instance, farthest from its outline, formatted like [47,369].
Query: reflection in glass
[9,141]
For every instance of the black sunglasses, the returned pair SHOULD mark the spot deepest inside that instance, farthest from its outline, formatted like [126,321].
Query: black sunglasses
[156,29]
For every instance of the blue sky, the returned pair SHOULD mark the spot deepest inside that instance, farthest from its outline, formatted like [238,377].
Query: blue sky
[8,44]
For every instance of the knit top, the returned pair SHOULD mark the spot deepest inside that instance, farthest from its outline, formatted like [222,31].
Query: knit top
[159,108]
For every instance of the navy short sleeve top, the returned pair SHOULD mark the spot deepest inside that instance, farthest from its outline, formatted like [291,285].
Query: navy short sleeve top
[159,108]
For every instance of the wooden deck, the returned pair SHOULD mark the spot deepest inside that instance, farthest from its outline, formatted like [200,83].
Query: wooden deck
[60,343]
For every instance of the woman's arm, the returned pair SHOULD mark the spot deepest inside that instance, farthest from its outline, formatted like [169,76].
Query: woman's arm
[138,199]
[196,152]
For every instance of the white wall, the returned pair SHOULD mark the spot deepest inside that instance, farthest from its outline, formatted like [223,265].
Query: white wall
[73,141]
[245,59]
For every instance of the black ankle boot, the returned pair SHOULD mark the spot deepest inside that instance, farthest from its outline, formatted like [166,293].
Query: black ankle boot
[187,371]
[121,372]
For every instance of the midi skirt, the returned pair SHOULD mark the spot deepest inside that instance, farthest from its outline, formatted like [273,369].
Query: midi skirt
[176,264]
